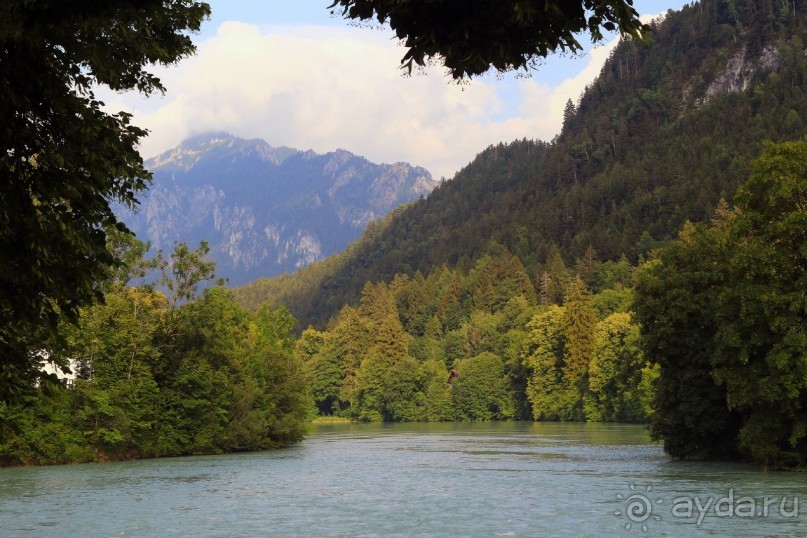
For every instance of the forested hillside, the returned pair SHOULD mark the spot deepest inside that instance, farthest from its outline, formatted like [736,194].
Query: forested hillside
[659,138]
[484,344]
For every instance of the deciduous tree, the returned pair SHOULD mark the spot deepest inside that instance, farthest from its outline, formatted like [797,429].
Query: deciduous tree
[63,160]
[470,37]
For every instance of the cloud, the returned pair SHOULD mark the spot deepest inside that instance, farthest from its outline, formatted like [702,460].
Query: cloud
[323,88]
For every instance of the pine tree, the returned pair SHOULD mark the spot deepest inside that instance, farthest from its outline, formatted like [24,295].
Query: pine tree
[569,112]
[350,336]
[579,325]
[558,275]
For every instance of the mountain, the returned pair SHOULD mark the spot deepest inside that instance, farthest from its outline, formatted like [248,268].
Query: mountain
[265,210]
[660,137]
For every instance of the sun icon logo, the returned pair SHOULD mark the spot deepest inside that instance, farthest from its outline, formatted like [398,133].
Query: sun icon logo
[638,507]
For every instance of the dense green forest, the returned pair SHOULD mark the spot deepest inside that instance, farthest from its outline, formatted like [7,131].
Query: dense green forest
[483,344]
[162,373]
[648,265]
[714,357]
[659,138]
[509,292]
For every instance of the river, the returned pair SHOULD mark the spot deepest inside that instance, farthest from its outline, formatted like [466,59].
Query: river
[483,479]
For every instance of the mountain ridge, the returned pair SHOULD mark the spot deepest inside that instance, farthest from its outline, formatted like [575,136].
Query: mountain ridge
[267,210]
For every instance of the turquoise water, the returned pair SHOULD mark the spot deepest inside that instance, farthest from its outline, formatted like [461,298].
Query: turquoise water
[499,479]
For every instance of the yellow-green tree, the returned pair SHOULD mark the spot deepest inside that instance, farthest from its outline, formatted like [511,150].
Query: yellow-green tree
[579,327]
[615,375]
[548,391]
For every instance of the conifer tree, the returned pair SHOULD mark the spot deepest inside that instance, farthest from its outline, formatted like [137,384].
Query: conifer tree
[437,406]
[558,275]
[350,338]
[579,327]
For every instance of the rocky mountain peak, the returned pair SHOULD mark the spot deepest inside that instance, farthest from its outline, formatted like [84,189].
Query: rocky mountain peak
[267,210]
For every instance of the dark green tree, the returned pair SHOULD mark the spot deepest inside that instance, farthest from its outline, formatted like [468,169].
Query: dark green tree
[471,37]
[387,382]
[761,343]
[675,304]
[63,160]
[556,278]
[723,315]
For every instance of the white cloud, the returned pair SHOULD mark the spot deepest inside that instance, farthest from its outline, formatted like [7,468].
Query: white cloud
[322,88]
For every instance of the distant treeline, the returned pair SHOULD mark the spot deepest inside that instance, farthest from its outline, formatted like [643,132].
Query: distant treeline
[485,345]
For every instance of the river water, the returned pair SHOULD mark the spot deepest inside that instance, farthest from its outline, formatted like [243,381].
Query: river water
[490,479]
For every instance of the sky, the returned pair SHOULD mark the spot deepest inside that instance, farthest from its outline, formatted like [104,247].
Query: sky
[294,75]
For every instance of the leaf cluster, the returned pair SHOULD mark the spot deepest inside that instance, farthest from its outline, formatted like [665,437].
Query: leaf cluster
[473,37]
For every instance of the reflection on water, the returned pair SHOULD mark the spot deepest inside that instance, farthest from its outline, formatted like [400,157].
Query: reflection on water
[487,479]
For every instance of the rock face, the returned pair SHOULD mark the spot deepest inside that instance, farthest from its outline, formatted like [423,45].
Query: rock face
[740,70]
[265,210]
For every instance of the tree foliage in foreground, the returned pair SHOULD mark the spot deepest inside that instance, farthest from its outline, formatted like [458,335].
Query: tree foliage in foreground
[470,37]
[161,378]
[724,314]
[63,160]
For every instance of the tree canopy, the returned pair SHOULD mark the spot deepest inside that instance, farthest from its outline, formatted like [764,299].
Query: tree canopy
[156,378]
[470,37]
[63,159]
[723,315]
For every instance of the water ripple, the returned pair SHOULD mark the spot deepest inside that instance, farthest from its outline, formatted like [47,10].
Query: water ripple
[511,479]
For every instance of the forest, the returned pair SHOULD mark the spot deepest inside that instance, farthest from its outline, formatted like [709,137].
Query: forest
[706,341]
[161,372]
[654,155]
[648,265]
[484,344]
